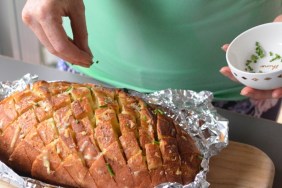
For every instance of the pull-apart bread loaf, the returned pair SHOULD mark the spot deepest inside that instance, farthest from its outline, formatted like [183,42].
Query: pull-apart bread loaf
[82,135]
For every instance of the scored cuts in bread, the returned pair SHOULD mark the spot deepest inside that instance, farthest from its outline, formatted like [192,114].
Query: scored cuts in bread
[83,135]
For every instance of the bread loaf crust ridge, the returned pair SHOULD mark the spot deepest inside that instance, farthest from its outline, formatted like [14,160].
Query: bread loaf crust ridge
[84,135]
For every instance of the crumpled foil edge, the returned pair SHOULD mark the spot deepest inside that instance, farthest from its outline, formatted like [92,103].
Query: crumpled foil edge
[9,176]
[8,87]
[193,111]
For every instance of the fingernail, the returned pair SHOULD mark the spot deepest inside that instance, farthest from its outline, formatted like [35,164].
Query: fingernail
[223,72]
[224,47]
[87,65]
[245,93]
[275,96]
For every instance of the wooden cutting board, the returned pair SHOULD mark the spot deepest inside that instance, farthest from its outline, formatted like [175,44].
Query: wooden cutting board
[237,166]
[240,166]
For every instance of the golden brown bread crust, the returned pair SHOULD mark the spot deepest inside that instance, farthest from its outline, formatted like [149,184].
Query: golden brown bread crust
[82,135]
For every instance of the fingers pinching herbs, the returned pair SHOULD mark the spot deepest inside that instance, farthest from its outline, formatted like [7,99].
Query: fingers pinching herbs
[79,28]
[44,17]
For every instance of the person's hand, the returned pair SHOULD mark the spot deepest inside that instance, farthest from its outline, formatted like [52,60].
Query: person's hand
[44,17]
[278,18]
[253,93]
[250,92]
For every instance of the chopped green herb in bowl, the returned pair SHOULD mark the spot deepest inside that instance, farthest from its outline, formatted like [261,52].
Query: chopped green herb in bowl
[255,56]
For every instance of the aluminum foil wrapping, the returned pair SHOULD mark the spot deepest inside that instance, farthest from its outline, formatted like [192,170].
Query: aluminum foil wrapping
[193,111]
[8,87]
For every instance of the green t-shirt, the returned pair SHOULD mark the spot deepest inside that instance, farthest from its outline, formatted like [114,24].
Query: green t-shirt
[157,44]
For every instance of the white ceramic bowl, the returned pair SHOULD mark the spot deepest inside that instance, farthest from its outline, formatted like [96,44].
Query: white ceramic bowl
[265,73]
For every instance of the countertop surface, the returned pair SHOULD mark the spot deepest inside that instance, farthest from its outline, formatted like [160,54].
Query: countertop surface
[263,134]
